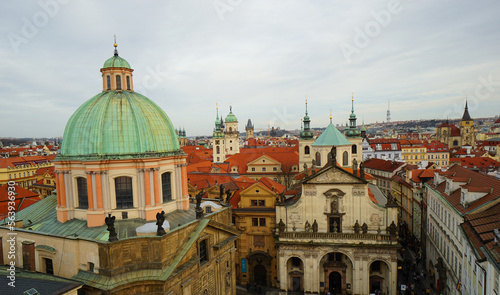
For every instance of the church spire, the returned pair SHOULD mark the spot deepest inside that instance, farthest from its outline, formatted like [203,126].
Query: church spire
[466,116]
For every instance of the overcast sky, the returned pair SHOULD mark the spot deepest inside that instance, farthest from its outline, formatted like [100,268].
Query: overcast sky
[261,57]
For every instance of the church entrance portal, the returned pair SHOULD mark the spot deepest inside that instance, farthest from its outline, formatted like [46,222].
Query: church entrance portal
[260,275]
[335,283]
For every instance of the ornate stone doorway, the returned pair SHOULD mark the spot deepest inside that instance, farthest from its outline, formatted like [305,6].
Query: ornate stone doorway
[335,283]
[259,265]
[260,275]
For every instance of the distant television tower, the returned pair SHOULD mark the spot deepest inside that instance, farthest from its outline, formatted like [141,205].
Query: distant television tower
[388,111]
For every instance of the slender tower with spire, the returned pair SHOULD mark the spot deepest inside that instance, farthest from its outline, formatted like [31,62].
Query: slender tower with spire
[305,141]
[218,140]
[353,134]
[467,128]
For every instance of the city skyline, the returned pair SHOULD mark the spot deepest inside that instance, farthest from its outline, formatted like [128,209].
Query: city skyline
[263,58]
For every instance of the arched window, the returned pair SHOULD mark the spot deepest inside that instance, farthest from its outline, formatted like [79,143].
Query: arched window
[83,197]
[345,159]
[307,150]
[128,82]
[123,190]
[354,149]
[318,159]
[166,187]
[118,82]
[230,129]
[108,82]
[455,142]
[217,149]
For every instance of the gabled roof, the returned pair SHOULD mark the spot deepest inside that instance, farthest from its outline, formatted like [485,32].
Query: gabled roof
[473,179]
[476,162]
[331,137]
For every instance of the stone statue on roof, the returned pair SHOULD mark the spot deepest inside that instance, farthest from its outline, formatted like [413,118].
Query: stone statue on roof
[221,192]
[308,226]
[306,173]
[333,153]
[355,167]
[315,226]
[364,228]
[362,170]
[110,222]
[281,226]
[160,219]
[198,199]
[228,195]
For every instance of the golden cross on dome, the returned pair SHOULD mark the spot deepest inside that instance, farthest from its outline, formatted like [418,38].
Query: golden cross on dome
[330,115]
[115,45]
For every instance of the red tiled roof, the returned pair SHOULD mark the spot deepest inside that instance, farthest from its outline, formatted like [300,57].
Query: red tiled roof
[478,228]
[23,199]
[476,180]
[384,165]
[372,196]
[436,147]
[28,160]
[476,162]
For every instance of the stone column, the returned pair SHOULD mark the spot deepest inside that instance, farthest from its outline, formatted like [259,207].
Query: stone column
[156,186]
[147,187]
[90,191]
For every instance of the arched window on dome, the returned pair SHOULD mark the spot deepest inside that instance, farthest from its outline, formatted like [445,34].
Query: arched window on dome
[318,159]
[123,190]
[108,81]
[118,82]
[307,150]
[83,197]
[166,187]
[345,159]
[128,82]
[354,149]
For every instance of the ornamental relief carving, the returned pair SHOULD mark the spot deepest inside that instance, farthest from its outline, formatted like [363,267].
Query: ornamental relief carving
[310,191]
[295,218]
[333,176]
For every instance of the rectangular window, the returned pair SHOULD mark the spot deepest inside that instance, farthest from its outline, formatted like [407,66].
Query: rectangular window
[166,187]
[253,168]
[258,202]
[203,251]
[263,169]
[275,169]
[118,82]
[262,222]
[255,222]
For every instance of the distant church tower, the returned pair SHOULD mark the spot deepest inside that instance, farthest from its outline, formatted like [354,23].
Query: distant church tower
[181,134]
[232,135]
[249,129]
[305,143]
[218,146]
[388,112]
[354,136]
[467,128]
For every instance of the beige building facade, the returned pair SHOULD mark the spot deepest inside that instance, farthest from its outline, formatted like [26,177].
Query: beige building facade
[334,237]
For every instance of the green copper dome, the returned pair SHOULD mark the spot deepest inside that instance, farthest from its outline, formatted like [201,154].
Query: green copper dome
[116,62]
[231,117]
[118,125]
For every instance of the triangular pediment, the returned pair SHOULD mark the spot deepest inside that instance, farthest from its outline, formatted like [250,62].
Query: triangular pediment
[264,160]
[329,175]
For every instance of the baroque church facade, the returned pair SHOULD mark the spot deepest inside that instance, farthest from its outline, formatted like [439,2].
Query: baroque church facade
[335,237]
